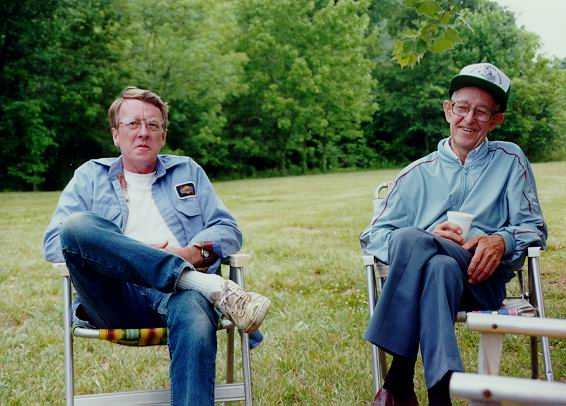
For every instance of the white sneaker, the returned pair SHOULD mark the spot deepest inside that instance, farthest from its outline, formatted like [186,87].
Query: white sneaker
[246,309]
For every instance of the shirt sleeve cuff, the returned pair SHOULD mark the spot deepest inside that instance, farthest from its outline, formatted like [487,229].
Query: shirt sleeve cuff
[214,247]
[509,241]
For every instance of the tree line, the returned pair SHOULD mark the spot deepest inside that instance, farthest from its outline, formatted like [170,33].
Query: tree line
[260,87]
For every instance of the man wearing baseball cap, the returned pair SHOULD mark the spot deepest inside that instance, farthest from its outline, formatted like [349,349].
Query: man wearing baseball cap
[434,269]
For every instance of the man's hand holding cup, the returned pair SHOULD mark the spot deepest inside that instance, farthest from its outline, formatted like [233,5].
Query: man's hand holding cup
[456,228]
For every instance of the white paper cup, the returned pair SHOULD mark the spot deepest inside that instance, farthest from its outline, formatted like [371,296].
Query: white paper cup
[461,219]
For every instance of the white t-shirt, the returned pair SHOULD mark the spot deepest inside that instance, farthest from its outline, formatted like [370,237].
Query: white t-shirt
[145,223]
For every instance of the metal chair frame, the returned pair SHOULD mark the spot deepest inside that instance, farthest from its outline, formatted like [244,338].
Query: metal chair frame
[226,392]
[376,275]
[488,389]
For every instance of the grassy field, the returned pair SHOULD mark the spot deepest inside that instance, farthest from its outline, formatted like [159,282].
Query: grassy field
[303,234]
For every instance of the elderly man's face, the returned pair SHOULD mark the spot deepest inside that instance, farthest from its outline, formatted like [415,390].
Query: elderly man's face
[469,130]
[140,135]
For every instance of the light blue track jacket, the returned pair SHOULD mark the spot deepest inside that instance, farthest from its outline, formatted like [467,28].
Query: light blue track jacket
[195,218]
[495,185]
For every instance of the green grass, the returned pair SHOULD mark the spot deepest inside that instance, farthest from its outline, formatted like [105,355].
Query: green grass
[303,234]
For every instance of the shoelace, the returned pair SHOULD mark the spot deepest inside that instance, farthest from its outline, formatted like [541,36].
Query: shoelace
[238,299]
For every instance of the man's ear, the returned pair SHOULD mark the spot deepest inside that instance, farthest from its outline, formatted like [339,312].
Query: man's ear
[115,137]
[497,120]
[447,107]
[163,138]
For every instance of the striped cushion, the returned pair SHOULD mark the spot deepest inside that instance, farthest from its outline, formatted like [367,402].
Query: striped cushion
[518,307]
[515,307]
[135,337]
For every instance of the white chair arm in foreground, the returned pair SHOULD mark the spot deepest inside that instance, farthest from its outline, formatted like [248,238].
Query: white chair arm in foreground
[497,390]
[506,391]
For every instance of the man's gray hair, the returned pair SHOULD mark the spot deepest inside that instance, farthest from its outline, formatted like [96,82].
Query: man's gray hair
[135,93]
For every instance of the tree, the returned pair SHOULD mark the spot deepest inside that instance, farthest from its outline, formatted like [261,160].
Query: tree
[193,65]
[309,84]
[57,73]
[84,76]
[410,121]
[24,33]
[536,106]
[416,27]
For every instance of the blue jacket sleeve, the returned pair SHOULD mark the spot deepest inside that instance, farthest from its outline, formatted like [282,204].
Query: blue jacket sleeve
[526,226]
[220,227]
[74,198]
[389,215]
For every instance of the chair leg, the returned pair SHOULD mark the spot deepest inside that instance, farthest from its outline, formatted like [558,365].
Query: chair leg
[230,355]
[489,358]
[547,360]
[68,332]
[237,275]
[534,357]
[378,362]
[536,293]
[247,368]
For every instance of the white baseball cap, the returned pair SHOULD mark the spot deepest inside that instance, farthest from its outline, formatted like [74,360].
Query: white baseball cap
[485,76]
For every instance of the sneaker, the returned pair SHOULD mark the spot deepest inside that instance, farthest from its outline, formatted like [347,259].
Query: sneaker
[246,309]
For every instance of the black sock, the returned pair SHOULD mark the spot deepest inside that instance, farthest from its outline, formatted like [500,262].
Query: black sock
[399,378]
[439,394]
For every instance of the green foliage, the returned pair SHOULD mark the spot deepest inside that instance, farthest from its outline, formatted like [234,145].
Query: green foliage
[25,135]
[57,75]
[193,65]
[309,84]
[535,117]
[410,121]
[260,86]
[25,117]
[425,25]
[84,75]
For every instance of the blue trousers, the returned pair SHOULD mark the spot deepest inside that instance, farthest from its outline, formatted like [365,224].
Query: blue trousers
[124,283]
[426,287]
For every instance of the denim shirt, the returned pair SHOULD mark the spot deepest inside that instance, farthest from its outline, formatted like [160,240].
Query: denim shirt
[495,184]
[97,186]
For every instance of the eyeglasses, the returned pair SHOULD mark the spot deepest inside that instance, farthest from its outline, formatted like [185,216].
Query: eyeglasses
[153,126]
[481,114]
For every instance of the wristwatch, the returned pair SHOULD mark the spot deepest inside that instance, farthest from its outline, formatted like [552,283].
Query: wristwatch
[204,253]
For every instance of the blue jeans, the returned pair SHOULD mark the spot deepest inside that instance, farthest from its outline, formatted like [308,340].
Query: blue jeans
[122,283]
[426,286]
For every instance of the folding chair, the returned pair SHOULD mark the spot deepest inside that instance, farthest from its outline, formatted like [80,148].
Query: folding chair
[226,392]
[485,388]
[530,302]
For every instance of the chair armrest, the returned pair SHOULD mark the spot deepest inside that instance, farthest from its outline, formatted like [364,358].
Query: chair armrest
[534,252]
[239,259]
[379,268]
[496,389]
[368,260]
[531,326]
[382,190]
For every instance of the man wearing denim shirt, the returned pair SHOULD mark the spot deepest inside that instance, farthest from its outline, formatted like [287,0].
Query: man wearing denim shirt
[434,271]
[133,230]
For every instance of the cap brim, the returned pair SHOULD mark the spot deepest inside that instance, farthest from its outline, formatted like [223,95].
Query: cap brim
[498,94]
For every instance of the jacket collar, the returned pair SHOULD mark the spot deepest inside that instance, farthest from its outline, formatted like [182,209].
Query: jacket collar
[164,163]
[475,157]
